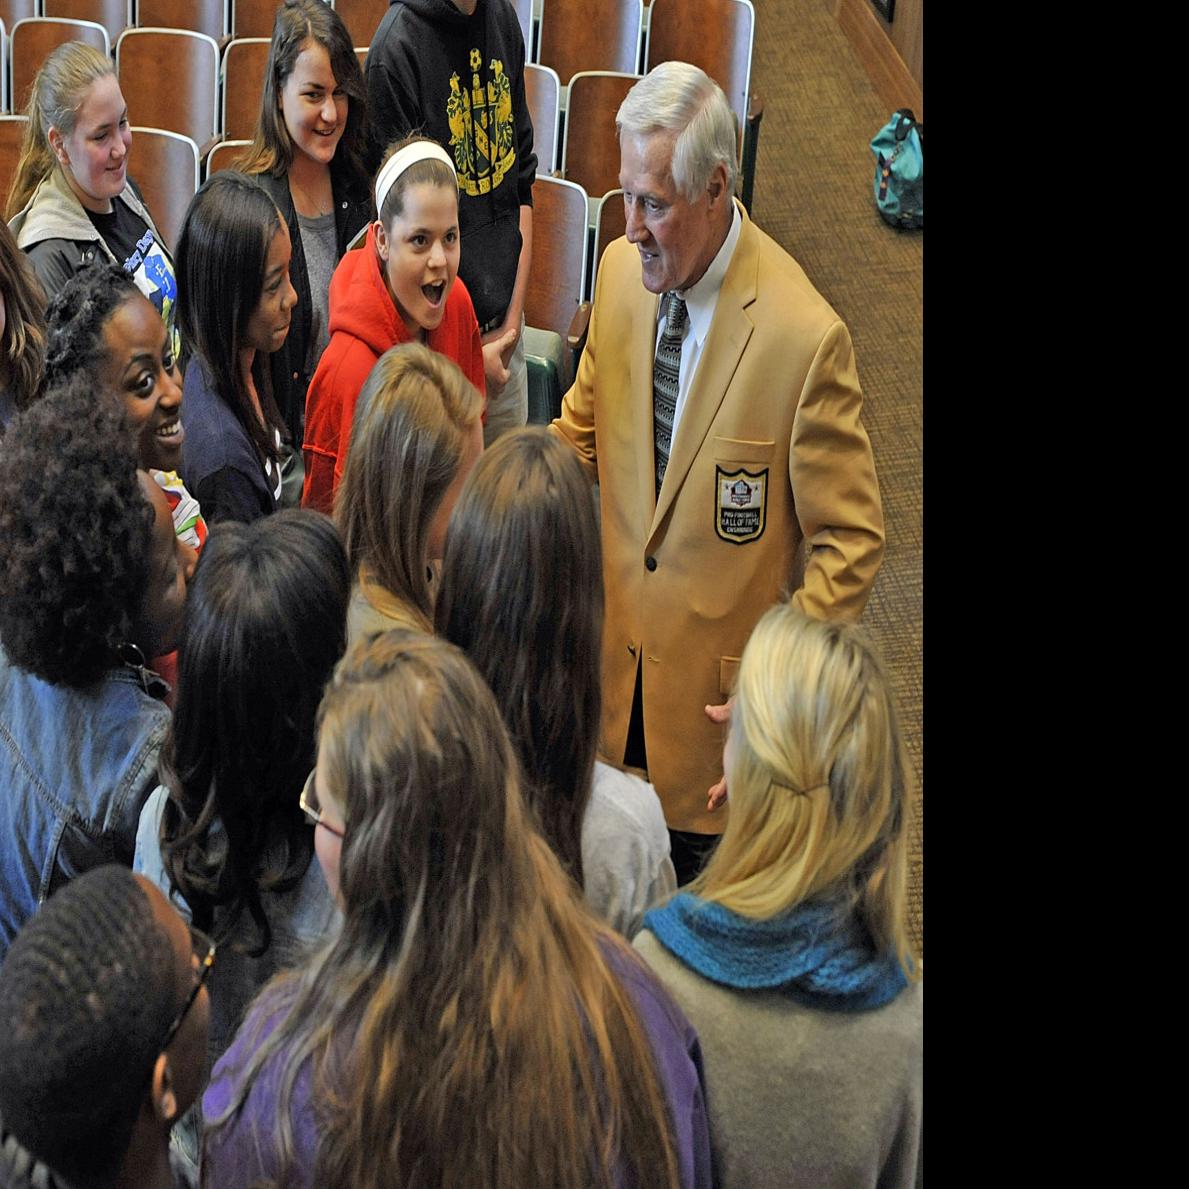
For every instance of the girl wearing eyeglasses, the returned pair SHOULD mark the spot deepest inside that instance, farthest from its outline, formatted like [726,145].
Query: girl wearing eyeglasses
[472,1024]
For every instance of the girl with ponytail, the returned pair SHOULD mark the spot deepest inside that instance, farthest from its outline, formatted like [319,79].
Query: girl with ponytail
[71,201]
[789,952]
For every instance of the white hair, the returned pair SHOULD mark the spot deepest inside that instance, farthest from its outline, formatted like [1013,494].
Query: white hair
[678,97]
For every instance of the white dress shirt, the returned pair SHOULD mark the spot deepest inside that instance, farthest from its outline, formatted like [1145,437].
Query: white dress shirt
[700,299]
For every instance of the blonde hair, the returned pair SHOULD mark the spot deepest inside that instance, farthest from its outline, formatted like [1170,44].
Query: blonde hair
[413,414]
[818,780]
[467,1026]
[58,92]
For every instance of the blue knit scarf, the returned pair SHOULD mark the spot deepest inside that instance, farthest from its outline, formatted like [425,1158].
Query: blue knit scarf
[807,953]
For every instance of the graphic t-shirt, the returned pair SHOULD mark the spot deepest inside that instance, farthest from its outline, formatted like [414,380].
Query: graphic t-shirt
[139,253]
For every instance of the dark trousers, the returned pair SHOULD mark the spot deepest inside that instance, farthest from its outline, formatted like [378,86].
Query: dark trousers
[689,851]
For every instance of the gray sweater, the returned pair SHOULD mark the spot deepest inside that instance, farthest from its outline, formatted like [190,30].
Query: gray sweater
[800,1097]
[625,849]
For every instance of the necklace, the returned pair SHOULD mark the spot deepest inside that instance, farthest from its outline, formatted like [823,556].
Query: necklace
[305,202]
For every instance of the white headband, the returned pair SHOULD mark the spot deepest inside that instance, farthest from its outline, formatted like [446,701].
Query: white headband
[419,150]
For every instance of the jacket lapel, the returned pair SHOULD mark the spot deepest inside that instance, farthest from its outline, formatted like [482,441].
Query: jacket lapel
[730,329]
[642,354]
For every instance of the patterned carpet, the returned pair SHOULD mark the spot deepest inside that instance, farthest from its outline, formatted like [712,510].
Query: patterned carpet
[813,195]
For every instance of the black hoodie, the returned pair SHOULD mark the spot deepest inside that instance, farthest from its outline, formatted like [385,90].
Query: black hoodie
[429,68]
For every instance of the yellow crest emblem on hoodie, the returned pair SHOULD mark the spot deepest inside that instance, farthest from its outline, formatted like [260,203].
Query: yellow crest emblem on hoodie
[482,132]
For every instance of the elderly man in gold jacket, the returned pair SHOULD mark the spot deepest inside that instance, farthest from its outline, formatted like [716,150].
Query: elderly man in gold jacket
[718,405]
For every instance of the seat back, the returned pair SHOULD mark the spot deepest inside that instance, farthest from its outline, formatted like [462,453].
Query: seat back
[5,102]
[610,223]
[716,35]
[362,18]
[224,156]
[524,14]
[590,151]
[245,61]
[114,15]
[557,276]
[12,132]
[12,11]
[34,39]
[253,18]
[189,103]
[542,90]
[590,35]
[167,174]
[199,16]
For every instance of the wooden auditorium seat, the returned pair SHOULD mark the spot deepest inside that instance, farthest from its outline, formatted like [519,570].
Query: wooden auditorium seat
[245,61]
[165,166]
[183,101]
[555,310]
[542,91]
[32,40]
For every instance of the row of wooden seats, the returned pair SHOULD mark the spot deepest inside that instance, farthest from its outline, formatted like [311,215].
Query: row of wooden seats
[676,30]
[220,19]
[202,121]
[168,170]
[618,39]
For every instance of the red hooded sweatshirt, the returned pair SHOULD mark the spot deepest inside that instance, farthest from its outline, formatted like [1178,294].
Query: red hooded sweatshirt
[364,323]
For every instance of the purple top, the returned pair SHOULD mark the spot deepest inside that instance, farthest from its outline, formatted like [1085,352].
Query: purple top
[242,1151]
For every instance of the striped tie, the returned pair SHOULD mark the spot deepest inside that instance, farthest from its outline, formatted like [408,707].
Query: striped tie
[666,372]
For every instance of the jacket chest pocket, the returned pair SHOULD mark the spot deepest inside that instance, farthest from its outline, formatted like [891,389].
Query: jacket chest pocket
[742,472]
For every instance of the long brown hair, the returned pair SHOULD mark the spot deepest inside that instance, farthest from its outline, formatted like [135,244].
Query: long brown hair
[522,595]
[465,1027]
[22,343]
[297,22]
[412,415]
[58,91]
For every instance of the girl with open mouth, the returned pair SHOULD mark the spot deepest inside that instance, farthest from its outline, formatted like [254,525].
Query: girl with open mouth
[401,287]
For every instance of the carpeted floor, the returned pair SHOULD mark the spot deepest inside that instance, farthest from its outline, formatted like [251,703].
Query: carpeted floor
[813,195]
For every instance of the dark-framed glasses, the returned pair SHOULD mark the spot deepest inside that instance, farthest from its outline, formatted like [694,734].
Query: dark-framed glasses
[202,950]
[308,801]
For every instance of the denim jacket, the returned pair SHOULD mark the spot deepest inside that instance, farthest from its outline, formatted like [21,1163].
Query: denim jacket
[76,766]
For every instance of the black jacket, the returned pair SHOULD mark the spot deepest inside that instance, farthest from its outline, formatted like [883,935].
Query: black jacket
[352,210]
[426,63]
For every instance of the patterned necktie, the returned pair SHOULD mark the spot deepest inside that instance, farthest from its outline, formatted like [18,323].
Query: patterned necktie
[666,372]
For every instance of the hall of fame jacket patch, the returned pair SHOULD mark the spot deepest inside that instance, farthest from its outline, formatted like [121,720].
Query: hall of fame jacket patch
[741,504]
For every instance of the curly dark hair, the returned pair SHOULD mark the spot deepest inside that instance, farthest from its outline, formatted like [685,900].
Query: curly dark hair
[75,531]
[77,315]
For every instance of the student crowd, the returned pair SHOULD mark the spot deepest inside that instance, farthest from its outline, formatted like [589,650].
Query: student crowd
[315,868]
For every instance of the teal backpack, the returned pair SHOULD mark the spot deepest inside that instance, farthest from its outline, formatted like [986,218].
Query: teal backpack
[899,148]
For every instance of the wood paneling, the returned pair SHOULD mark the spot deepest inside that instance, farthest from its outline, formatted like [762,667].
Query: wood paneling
[907,32]
[896,85]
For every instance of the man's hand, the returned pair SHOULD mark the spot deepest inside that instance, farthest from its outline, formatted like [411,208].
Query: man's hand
[717,793]
[498,346]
